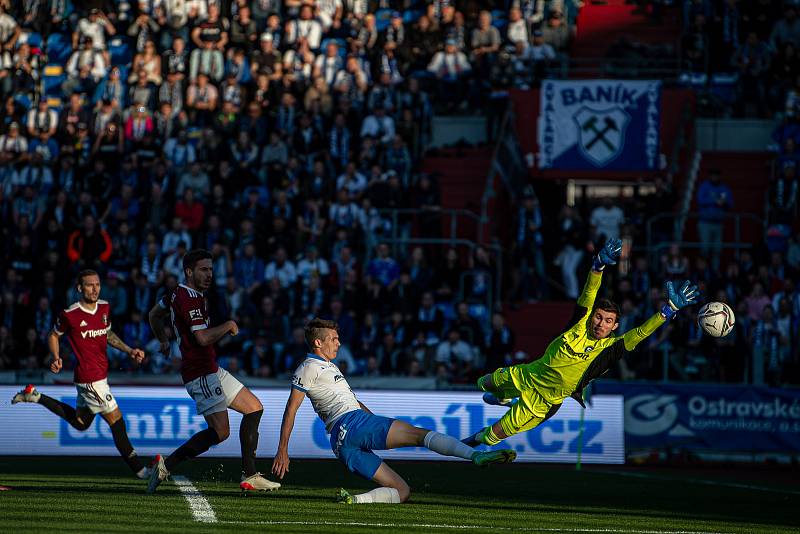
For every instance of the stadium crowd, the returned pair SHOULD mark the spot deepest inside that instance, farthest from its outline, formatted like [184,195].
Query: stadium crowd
[273,134]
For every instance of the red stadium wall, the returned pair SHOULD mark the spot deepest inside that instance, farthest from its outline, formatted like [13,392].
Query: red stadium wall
[526,110]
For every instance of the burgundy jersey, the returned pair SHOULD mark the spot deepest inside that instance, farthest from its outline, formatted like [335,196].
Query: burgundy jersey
[189,313]
[87,332]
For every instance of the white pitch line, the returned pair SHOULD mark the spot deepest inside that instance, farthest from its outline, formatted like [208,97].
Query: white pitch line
[703,481]
[201,509]
[467,527]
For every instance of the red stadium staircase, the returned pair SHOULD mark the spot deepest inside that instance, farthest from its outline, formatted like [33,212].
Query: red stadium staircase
[600,25]
[536,324]
[461,175]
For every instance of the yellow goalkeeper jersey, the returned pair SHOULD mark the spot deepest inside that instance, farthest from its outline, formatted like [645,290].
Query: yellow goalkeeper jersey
[574,358]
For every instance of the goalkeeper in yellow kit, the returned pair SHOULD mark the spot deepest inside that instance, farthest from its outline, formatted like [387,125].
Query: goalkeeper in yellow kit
[534,391]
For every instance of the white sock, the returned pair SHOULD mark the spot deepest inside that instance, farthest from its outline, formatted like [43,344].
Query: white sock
[447,446]
[386,495]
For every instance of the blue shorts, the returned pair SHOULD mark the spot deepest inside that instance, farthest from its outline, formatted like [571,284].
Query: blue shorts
[353,437]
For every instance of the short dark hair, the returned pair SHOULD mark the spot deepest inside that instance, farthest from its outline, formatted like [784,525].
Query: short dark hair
[608,305]
[313,329]
[83,274]
[191,258]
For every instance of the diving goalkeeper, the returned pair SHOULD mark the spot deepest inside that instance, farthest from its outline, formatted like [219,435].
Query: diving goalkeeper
[534,391]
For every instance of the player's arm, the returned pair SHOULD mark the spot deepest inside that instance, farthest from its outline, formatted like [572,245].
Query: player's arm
[608,255]
[55,350]
[280,465]
[677,299]
[156,317]
[136,355]
[209,336]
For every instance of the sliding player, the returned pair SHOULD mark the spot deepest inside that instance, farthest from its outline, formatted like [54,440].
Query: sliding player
[355,431]
[534,391]
[213,389]
[88,328]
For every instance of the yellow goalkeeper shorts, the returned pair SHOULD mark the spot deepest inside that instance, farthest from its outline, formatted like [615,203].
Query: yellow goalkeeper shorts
[531,409]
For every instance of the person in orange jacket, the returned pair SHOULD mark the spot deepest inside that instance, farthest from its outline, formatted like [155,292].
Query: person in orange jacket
[89,246]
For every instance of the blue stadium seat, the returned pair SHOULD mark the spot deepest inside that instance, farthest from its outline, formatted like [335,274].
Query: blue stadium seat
[59,48]
[411,16]
[382,19]
[120,51]
[23,101]
[52,78]
[33,39]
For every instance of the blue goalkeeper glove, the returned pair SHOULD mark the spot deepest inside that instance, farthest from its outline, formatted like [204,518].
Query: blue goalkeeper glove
[608,255]
[679,298]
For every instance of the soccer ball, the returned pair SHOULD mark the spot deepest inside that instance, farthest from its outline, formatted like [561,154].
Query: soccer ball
[716,318]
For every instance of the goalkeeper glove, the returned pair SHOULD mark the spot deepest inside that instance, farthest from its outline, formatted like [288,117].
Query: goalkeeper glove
[608,255]
[679,298]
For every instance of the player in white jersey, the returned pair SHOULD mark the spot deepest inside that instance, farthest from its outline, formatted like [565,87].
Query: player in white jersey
[354,430]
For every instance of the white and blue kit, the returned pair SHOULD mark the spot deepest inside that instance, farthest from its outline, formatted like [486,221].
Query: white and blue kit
[354,432]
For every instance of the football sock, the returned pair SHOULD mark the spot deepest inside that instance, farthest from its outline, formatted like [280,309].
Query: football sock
[384,495]
[488,437]
[447,446]
[197,444]
[123,444]
[65,412]
[248,437]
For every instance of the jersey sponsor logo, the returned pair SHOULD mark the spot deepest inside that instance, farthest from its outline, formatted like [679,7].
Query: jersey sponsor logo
[84,323]
[589,349]
[94,333]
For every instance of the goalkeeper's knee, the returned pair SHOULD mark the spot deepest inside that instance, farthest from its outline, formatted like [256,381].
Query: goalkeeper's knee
[485,383]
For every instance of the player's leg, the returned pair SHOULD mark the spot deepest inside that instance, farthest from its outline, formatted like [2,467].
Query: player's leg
[393,490]
[246,403]
[499,387]
[212,405]
[218,431]
[401,434]
[61,409]
[120,434]
[530,412]
[368,465]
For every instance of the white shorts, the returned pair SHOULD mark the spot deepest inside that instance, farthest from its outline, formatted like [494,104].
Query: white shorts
[215,392]
[96,396]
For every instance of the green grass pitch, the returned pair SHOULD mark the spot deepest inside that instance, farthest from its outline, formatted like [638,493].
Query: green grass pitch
[97,495]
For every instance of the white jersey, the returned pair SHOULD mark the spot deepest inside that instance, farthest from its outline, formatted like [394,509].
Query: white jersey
[327,388]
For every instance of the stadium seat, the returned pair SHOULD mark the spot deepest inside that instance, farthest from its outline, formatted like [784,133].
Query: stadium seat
[59,48]
[120,51]
[382,19]
[411,16]
[23,101]
[52,79]
[32,38]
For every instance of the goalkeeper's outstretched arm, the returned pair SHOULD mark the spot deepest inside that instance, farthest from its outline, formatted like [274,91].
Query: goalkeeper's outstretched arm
[608,255]
[676,299]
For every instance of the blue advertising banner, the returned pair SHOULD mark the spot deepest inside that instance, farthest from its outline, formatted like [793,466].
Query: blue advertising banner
[709,418]
[599,125]
[159,419]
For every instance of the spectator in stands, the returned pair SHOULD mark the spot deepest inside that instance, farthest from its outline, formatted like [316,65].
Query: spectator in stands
[714,199]
[500,345]
[89,247]
[531,279]
[452,70]
[608,217]
[455,353]
[752,60]
[85,68]
[517,30]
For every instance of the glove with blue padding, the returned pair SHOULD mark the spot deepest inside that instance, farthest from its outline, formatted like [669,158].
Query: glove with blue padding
[679,298]
[608,255]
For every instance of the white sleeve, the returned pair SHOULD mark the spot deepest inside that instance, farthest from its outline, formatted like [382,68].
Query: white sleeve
[304,377]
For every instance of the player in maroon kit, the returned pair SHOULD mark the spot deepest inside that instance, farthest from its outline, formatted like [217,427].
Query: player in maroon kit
[213,389]
[88,328]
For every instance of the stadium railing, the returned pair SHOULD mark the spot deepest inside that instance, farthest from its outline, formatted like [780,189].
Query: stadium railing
[653,248]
